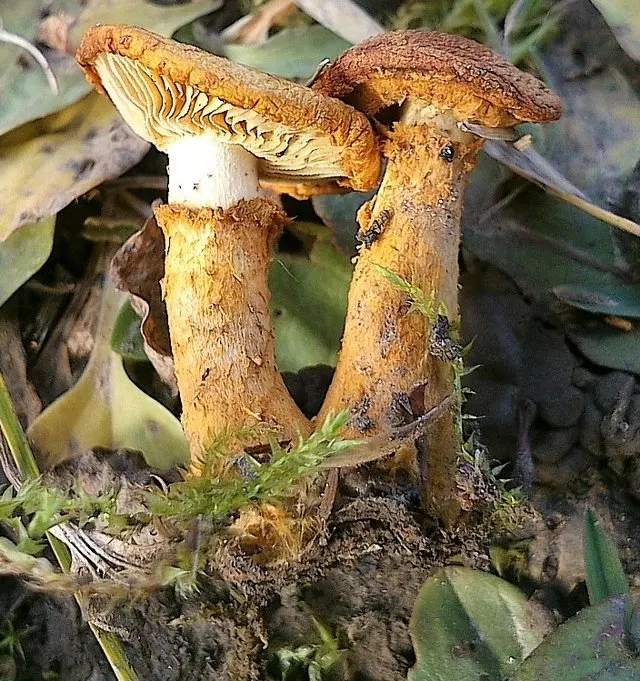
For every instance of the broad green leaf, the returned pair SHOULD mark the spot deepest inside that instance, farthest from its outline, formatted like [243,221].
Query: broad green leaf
[608,346]
[468,625]
[293,53]
[623,16]
[75,150]
[24,94]
[605,576]
[105,409]
[589,647]
[126,338]
[23,254]
[309,300]
[619,299]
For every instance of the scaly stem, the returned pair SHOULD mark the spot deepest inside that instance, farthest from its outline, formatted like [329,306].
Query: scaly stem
[412,229]
[215,287]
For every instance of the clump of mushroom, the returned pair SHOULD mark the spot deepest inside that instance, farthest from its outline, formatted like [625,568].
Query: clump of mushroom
[445,86]
[222,125]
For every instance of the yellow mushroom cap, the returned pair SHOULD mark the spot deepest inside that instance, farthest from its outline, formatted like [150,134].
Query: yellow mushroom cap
[166,90]
[446,71]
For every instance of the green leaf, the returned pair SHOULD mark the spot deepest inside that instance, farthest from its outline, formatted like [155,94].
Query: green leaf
[338,212]
[619,299]
[609,346]
[309,302]
[24,94]
[468,625]
[605,576]
[589,647]
[126,338]
[105,409]
[293,53]
[23,254]
[623,18]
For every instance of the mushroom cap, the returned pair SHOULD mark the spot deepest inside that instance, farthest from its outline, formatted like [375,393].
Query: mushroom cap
[447,71]
[166,90]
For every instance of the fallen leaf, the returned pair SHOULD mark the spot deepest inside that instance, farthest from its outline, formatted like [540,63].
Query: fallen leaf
[24,95]
[22,254]
[105,409]
[620,300]
[534,167]
[469,625]
[607,346]
[624,19]
[76,150]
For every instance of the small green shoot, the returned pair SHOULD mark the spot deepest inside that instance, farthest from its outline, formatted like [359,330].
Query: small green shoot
[220,497]
[311,662]
[418,300]
[14,435]
[11,639]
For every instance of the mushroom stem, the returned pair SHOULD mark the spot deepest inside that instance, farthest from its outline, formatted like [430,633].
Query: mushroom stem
[215,287]
[206,172]
[411,228]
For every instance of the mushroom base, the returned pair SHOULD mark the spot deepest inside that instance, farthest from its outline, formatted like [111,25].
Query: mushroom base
[215,288]
[412,229]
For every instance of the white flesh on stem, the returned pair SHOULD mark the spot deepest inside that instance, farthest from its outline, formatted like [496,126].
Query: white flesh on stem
[207,173]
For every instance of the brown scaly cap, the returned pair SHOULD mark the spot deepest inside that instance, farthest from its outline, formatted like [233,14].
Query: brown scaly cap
[447,71]
[165,90]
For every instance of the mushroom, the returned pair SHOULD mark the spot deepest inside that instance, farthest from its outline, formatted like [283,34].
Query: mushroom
[411,228]
[221,125]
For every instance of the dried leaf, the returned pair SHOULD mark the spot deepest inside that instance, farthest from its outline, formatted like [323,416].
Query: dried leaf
[138,268]
[344,17]
[76,150]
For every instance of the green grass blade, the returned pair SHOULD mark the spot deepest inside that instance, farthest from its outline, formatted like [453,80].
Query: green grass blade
[605,576]
[25,461]
[15,437]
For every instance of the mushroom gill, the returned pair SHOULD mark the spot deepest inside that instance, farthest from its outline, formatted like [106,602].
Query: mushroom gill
[164,110]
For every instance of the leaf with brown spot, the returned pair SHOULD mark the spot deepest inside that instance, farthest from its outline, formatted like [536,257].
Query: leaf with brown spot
[24,94]
[74,151]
